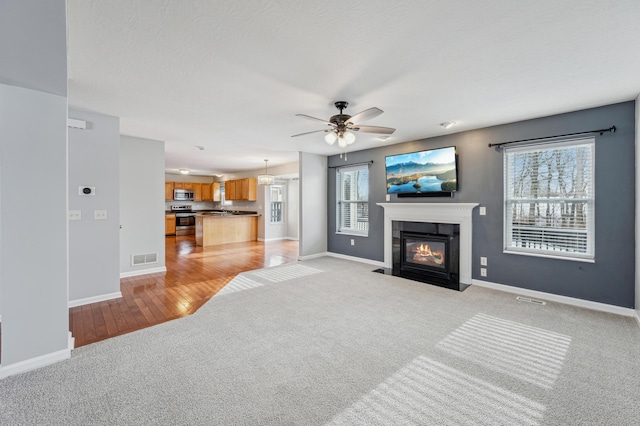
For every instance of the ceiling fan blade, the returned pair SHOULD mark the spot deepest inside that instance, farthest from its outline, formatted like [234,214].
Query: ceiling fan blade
[307,133]
[374,129]
[315,119]
[365,115]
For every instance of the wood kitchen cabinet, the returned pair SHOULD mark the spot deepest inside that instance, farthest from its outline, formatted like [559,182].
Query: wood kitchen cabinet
[168,191]
[241,189]
[215,187]
[178,185]
[230,190]
[197,191]
[170,224]
[207,192]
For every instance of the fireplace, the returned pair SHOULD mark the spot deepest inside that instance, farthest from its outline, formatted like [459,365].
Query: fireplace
[427,252]
[450,221]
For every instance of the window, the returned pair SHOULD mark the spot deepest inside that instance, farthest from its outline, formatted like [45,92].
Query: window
[549,199]
[277,203]
[353,200]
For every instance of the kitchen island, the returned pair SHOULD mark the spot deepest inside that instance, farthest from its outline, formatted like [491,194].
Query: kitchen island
[215,228]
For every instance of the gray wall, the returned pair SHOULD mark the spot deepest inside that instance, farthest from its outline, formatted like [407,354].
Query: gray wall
[33,157]
[609,280]
[141,202]
[94,245]
[313,204]
[293,203]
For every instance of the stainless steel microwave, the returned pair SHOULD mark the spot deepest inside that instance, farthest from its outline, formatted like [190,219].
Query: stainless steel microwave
[182,195]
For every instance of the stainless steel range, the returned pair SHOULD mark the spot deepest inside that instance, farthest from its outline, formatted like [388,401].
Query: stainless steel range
[185,220]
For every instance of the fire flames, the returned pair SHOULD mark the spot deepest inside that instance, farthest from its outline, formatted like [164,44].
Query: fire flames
[425,254]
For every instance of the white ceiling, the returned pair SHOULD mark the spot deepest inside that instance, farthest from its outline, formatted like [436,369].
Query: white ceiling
[229,75]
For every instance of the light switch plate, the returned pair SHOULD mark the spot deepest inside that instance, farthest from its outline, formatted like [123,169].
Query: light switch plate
[483,261]
[483,211]
[100,215]
[388,197]
[75,214]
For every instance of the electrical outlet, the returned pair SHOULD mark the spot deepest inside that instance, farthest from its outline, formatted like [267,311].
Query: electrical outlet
[353,242]
[483,211]
[483,261]
[100,215]
[75,214]
[388,197]
[483,272]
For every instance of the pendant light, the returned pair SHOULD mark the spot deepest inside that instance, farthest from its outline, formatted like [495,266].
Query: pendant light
[266,178]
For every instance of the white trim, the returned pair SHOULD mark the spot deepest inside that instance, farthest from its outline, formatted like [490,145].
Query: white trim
[596,306]
[356,259]
[34,363]
[456,213]
[313,256]
[71,342]
[637,316]
[142,272]
[94,299]
[548,256]
[268,240]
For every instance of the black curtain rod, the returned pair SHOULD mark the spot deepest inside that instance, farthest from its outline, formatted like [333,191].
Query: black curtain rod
[611,129]
[349,165]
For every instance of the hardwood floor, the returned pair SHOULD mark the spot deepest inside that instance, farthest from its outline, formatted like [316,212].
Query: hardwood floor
[193,276]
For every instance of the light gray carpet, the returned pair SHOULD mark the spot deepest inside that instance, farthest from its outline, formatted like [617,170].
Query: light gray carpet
[327,341]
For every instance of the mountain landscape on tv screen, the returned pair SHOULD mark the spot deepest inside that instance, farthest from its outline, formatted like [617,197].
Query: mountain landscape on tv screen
[413,177]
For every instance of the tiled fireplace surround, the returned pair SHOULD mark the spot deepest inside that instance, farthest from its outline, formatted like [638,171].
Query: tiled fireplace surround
[456,213]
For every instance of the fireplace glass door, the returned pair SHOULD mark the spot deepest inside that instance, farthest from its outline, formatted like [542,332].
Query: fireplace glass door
[425,252]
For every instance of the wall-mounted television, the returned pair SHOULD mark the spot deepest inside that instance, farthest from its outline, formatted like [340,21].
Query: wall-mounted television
[429,173]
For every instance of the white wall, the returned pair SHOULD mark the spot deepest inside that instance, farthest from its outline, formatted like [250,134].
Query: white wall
[141,203]
[33,157]
[313,204]
[292,216]
[94,245]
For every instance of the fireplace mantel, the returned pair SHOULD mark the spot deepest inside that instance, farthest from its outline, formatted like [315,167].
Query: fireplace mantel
[458,213]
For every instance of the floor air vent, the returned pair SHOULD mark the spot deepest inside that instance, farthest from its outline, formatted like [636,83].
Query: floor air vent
[143,259]
[534,301]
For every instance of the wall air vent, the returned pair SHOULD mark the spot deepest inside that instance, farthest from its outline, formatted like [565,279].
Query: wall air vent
[534,301]
[143,259]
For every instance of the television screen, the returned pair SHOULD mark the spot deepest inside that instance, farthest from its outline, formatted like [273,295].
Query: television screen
[429,172]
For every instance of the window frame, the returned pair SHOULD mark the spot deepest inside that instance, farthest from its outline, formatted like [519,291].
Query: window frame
[588,201]
[282,205]
[339,201]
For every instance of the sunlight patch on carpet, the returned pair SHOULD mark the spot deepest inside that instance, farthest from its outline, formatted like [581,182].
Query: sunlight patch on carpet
[239,283]
[531,354]
[429,392]
[285,273]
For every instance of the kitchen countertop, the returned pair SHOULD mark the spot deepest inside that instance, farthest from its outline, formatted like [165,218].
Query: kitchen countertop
[216,213]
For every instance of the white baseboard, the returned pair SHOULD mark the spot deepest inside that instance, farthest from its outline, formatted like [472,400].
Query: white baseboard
[71,342]
[637,315]
[313,256]
[34,363]
[94,299]
[142,272]
[268,240]
[356,259]
[596,306]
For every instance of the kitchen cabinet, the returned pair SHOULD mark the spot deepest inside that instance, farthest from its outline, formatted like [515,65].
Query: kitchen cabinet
[241,189]
[207,192]
[178,185]
[170,224]
[230,190]
[216,191]
[168,191]
[197,191]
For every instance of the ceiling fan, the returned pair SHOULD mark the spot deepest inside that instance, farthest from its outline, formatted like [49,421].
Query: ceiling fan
[342,126]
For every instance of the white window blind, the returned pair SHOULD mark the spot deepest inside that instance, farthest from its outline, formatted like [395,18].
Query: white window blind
[353,200]
[549,199]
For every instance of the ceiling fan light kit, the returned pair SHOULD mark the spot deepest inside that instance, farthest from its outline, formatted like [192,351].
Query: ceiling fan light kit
[343,125]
